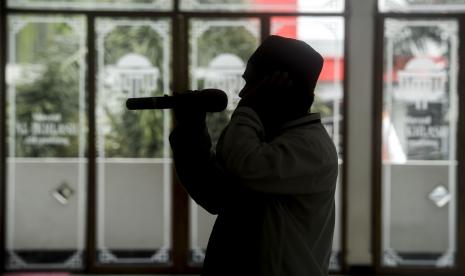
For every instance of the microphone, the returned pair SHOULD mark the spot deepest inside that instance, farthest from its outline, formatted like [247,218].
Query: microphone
[209,100]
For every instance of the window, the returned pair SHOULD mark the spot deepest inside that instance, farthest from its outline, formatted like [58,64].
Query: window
[144,5]
[326,35]
[133,154]
[264,6]
[46,163]
[219,50]
[421,5]
[418,126]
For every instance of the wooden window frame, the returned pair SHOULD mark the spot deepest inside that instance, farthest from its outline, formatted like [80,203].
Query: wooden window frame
[180,76]
[459,268]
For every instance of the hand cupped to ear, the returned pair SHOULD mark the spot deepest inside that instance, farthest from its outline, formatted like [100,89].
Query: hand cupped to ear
[266,93]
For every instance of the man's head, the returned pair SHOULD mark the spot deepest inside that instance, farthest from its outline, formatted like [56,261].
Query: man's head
[297,58]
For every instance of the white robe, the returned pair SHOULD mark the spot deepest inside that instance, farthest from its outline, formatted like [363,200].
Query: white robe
[274,200]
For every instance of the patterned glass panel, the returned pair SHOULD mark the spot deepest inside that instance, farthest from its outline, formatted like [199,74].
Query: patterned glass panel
[421,5]
[219,50]
[93,4]
[419,123]
[265,5]
[133,155]
[46,160]
[326,35]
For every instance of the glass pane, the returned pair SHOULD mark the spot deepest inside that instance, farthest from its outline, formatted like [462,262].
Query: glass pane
[421,5]
[133,156]
[326,35]
[219,50]
[419,163]
[46,162]
[265,5]
[93,4]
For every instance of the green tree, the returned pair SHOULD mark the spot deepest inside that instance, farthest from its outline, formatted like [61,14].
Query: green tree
[133,133]
[235,40]
[55,50]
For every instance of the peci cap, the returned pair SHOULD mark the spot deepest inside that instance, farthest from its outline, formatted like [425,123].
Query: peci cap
[300,60]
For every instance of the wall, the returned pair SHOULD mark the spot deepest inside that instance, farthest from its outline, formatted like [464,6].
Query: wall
[360,89]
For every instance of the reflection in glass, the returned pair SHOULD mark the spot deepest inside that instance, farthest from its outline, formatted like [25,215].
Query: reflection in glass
[133,159]
[421,5]
[46,164]
[326,35]
[93,4]
[265,5]
[419,143]
[219,50]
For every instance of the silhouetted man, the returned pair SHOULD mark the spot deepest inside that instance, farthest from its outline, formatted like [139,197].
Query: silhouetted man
[273,176]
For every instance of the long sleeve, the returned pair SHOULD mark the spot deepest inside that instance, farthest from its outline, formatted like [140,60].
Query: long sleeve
[301,160]
[196,167]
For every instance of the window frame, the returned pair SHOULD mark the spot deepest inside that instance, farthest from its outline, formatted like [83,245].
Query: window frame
[180,82]
[378,90]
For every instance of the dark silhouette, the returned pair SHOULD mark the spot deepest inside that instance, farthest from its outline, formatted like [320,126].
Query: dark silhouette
[209,100]
[273,176]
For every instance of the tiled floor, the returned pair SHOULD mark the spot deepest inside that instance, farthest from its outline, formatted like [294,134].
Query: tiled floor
[67,274]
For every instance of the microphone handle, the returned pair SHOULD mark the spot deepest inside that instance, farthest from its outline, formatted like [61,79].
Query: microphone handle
[209,100]
[165,102]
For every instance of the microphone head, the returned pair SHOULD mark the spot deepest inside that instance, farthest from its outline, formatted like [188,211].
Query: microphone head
[209,99]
